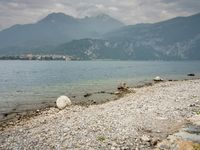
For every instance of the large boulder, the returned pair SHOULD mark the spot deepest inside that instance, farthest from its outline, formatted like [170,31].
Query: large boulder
[62,102]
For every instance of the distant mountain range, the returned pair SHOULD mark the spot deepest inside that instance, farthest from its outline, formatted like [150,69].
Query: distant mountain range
[103,37]
[54,29]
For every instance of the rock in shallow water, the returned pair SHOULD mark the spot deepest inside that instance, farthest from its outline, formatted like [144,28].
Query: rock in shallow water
[62,102]
[158,79]
[191,75]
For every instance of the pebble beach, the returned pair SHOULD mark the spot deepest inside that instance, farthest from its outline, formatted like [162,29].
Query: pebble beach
[140,120]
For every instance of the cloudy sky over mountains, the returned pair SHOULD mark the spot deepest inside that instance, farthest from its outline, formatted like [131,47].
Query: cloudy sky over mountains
[128,11]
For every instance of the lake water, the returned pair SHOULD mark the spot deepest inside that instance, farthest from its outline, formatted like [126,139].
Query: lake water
[25,84]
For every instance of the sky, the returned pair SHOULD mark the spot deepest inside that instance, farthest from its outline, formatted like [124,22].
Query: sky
[128,11]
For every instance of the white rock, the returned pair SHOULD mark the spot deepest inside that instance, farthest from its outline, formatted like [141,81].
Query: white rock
[62,102]
[158,79]
[145,138]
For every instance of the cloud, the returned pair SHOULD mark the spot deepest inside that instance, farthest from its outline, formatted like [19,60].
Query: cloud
[129,11]
[99,6]
[113,8]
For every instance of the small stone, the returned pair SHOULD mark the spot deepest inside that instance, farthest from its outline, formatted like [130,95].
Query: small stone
[112,148]
[164,147]
[158,79]
[11,123]
[145,138]
[191,75]
[62,102]
[20,130]
[125,148]
[154,142]
[117,92]
[142,146]
[87,95]
[192,105]
[114,144]
[158,131]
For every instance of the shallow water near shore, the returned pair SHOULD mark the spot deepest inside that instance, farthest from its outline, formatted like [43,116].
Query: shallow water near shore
[26,85]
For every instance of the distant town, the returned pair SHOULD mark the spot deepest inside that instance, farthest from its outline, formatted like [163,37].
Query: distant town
[38,57]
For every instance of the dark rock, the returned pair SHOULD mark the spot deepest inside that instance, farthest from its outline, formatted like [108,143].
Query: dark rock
[5,115]
[14,109]
[87,95]
[19,91]
[93,102]
[154,141]
[192,105]
[191,75]
[123,87]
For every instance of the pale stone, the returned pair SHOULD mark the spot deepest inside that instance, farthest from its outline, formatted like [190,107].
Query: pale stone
[145,138]
[158,79]
[62,102]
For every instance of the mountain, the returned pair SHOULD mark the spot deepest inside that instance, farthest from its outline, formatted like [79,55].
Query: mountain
[101,23]
[89,49]
[174,39]
[102,37]
[54,29]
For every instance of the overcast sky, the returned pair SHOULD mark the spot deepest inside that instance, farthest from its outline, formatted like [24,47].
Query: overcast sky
[128,11]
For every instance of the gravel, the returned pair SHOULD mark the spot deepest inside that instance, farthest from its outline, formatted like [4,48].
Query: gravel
[137,121]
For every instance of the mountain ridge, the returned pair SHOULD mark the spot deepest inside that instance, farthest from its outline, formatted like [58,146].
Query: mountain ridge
[174,39]
[54,29]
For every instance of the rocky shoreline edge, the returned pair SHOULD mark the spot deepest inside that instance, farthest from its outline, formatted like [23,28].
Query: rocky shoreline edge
[173,103]
[122,90]
[15,117]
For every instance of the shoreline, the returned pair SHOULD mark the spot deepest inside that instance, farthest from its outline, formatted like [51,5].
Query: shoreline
[145,119]
[16,117]
[23,115]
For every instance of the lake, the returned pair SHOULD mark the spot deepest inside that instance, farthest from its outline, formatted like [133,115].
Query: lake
[26,84]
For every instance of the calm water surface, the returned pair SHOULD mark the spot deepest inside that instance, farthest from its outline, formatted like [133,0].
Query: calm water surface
[26,83]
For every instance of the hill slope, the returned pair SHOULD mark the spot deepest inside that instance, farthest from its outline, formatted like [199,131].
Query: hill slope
[174,39]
